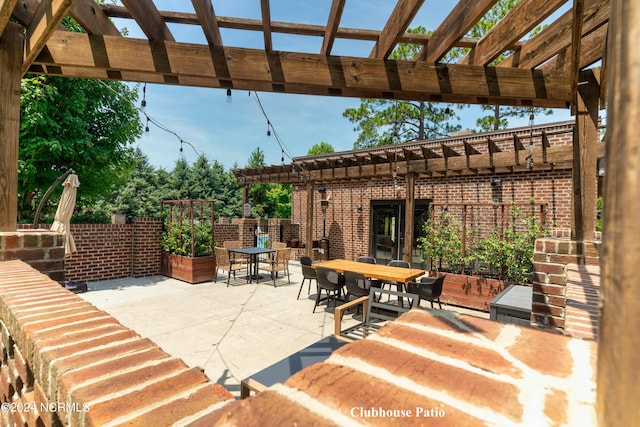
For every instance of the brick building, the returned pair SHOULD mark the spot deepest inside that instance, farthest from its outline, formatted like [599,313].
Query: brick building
[366,192]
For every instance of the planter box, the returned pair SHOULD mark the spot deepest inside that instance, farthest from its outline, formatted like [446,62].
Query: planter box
[187,269]
[470,291]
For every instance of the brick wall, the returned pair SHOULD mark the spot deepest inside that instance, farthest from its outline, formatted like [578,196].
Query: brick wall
[348,229]
[64,362]
[553,256]
[104,251]
[42,249]
[113,251]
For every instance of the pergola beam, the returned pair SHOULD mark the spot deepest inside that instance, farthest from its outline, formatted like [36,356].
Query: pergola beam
[78,55]
[149,19]
[208,22]
[519,21]
[6,8]
[400,19]
[458,23]
[266,25]
[333,22]
[92,18]
[557,36]
[544,158]
[48,16]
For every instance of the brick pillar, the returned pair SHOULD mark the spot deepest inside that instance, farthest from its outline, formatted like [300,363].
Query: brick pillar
[41,249]
[552,256]
[246,230]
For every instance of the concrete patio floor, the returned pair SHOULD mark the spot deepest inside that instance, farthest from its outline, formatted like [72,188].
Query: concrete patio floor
[229,332]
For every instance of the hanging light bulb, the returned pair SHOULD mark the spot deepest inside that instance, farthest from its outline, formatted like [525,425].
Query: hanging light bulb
[143,104]
[146,128]
[447,111]
[268,129]
[282,158]
[228,96]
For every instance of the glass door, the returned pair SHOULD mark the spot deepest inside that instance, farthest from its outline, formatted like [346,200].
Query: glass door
[387,237]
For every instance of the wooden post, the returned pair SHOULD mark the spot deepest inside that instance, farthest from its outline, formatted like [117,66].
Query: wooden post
[618,360]
[309,234]
[585,145]
[245,200]
[410,206]
[11,41]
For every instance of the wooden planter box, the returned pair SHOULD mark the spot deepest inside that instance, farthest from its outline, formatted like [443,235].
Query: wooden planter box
[187,269]
[470,291]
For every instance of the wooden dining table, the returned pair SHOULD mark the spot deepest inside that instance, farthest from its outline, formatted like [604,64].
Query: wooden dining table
[373,271]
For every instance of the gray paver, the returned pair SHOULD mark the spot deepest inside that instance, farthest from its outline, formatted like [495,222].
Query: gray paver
[230,332]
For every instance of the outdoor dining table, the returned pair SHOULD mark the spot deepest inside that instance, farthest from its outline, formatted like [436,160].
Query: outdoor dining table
[373,271]
[252,252]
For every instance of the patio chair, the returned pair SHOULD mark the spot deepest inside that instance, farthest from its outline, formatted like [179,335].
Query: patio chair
[369,260]
[377,313]
[276,262]
[278,245]
[331,281]
[224,263]
[308,273]
[396,263]
[357,285]
[428,289]
[235,244]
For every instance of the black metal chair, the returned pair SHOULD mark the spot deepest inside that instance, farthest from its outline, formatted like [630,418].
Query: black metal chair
[399,286]
[357,285]
[308,273]
[370,260]
[428,289]
[396,263]
[331,281]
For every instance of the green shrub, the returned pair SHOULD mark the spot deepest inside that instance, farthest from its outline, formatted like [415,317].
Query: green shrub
[442,244]
[177,238]
[512,253]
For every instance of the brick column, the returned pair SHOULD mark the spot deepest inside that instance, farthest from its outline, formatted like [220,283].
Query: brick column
[41,249]
[552,256]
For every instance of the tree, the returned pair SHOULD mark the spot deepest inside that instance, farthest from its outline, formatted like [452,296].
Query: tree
[144,191]
[258,192]
[80,124]
[202,179]
[181,175]
[382,122]
[320,148]
[280,199]
[226,192]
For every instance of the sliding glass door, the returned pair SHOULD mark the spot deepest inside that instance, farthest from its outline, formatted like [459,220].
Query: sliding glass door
[387,229]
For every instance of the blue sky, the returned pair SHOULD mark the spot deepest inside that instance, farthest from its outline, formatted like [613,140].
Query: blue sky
[229,132]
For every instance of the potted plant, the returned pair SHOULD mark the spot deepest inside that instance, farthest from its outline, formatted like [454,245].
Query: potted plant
[188,240]
[507,253]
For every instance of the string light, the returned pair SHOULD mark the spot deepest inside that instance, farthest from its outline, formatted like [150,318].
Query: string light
[271,129]
[142,109]
[529,158]
[228,96]
[143,103]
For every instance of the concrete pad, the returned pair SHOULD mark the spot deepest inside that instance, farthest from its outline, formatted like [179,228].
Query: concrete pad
[229,331]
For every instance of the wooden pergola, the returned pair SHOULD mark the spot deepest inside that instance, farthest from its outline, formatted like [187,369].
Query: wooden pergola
[577,61]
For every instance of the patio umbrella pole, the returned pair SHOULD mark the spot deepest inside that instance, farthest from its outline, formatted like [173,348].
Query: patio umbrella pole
[36,219]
